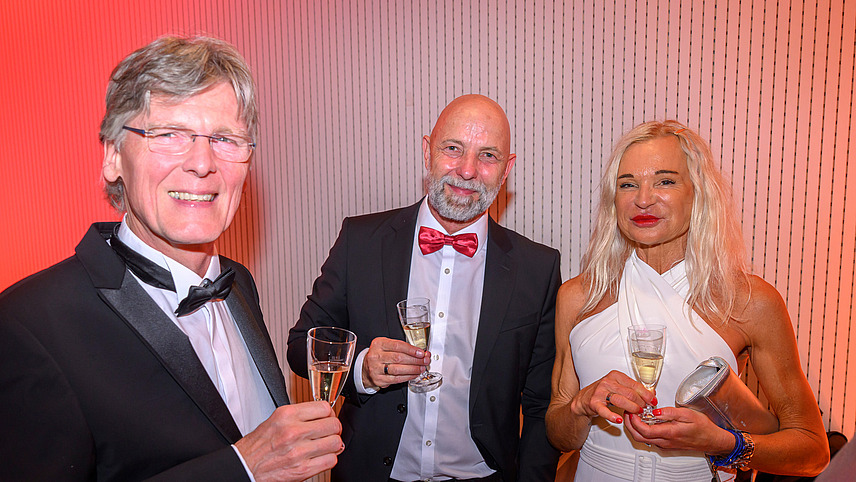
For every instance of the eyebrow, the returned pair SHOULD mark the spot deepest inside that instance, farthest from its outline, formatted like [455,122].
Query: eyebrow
[661,171]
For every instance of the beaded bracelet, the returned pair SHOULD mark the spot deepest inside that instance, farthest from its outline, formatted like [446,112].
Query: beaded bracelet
[744,448]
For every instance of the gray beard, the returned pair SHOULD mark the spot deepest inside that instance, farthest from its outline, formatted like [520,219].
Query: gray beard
[458,208]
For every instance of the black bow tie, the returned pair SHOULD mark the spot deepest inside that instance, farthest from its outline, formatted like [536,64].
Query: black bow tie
[152,274]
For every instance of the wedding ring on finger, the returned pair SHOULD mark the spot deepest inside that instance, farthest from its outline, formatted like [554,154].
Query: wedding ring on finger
[608,401]
[386,368]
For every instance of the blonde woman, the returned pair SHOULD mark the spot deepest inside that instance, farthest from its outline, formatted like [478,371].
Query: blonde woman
[666,249]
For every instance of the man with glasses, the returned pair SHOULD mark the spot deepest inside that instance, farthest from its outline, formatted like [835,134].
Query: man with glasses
[145,354]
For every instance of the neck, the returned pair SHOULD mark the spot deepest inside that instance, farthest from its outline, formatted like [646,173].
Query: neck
[197,261]
[659,258]
[195,257]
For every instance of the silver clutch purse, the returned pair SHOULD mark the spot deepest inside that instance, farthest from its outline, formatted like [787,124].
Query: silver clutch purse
[715,390]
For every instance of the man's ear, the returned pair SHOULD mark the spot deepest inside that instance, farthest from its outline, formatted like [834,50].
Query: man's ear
[426,152]
[111,167]
[508,166]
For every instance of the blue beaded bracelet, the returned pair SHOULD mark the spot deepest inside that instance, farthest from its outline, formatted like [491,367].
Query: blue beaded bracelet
[739,446]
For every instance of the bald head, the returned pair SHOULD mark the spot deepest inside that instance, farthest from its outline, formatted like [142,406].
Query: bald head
[468,159]
[485,110]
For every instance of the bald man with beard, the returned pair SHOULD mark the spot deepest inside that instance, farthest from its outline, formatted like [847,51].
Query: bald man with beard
[492,294]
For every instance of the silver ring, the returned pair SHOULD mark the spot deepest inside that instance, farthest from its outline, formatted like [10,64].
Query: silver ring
[608,402]
[386,368]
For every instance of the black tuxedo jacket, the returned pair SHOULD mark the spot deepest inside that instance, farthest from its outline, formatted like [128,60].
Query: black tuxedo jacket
[367,273]
[96,382]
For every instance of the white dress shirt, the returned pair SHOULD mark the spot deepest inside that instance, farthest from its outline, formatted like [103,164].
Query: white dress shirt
[215,338]
[436,442]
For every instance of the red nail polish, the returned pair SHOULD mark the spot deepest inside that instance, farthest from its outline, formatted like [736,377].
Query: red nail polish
[654,401]
[619,420]
[656,412]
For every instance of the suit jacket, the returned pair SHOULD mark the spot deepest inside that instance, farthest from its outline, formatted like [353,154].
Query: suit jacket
[96,382]
[367,273]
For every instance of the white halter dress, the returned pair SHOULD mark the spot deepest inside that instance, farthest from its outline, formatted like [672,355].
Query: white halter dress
[599,345]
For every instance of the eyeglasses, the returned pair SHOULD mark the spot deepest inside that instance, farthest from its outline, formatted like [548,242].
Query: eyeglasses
[165,140]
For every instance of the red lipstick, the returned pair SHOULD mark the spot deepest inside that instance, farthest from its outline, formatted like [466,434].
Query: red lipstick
[645,219]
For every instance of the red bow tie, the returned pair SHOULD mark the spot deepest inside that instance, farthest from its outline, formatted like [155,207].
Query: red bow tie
[431,240]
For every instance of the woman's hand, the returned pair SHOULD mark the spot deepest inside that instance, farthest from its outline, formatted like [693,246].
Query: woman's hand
[615,389]
[681,429]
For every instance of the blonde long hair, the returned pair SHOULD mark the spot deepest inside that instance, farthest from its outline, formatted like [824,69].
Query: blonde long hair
[715,257]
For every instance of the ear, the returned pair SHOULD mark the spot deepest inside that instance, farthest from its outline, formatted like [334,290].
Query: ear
[111,167]
[511,158]
[426,152]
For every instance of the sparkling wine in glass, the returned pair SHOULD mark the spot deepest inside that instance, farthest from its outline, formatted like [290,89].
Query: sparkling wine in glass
[415,317]
[329,353]
[647,347]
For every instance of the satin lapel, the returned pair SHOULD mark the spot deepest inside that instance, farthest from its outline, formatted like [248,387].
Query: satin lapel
[396,249]
[260,348]
[173,349]
[499,275]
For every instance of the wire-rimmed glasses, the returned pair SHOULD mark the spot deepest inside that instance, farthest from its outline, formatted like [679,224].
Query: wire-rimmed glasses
[173,141]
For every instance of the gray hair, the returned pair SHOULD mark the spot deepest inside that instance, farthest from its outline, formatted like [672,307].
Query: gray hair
[176,68]
[715,252]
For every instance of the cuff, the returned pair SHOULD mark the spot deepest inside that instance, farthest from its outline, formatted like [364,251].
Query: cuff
[244,463]
[358,374]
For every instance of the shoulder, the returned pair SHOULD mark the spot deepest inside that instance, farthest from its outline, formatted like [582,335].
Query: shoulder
[573,291]
[569,302]
[368,225]
[758,299]
[49,302]
[62,278]
[761,311]
[512,240]
[381,217]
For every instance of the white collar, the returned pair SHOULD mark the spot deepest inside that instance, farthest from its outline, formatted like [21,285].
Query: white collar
[182,276]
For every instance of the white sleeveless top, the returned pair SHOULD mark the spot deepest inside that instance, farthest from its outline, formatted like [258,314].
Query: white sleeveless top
[599,345]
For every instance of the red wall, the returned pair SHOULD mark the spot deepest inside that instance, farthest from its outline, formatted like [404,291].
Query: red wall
[56,57]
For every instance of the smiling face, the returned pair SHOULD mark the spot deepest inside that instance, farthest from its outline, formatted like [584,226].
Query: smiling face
[180,204]
[654,196]
[467,157]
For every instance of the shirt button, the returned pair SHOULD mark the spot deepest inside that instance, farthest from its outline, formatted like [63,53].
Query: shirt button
[401,408]
[433,398]
[441,314]
[447,271]
[428,443]
[436,357]
[387,461]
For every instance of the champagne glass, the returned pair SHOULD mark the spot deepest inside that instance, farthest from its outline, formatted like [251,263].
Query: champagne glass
[329,353]
[647,347]
[415,317]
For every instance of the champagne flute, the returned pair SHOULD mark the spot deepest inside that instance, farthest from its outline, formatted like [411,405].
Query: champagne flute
[415,317]
[647,347]
[329,353]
